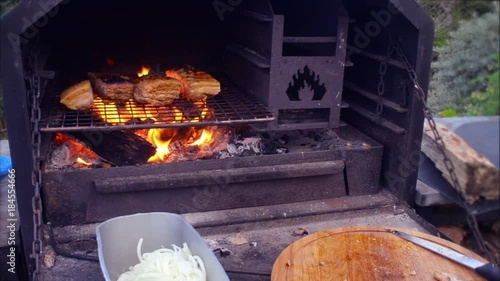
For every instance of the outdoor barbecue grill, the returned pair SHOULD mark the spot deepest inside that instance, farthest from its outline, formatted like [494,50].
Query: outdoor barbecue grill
[314,96]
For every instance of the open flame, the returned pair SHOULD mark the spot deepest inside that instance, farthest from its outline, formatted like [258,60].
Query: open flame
[83,162]
[163,139]
[116,114]
[155,136]
[144,71]
[206,137]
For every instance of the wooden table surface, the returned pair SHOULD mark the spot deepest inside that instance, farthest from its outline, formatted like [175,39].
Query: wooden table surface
[367,253]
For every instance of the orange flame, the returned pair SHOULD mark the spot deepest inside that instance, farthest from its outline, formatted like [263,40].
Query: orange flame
[139,112]
[205,137]
[83,162]
[162,146]
[162,138]
[144,71]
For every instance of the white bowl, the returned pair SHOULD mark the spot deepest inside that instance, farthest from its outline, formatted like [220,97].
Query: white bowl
[117,240]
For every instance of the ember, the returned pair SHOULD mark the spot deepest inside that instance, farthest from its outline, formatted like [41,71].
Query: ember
[144,71]
[70,153]
[83,162]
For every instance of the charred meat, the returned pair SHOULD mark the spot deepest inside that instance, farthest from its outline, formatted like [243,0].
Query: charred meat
[196,85]
[78,96]
[156,90]
[112,87]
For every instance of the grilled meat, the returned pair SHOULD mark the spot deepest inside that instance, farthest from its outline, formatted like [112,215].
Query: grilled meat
[156,90]
[112,87]
[196,85]
[78,96]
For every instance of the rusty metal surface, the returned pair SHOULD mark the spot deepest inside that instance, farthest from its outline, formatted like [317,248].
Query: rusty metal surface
[270,227]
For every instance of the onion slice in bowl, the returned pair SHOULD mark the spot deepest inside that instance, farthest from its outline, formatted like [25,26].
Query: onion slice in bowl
[177,264]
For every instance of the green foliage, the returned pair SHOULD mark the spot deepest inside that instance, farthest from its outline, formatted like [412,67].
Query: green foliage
[467,9]
[447,15]
[450,112]
[486,103]
[441,37]
[465,64]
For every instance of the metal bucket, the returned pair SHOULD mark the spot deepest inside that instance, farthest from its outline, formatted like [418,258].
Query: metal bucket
[117,240]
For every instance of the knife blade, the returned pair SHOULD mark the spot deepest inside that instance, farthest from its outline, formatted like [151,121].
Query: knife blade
[490,271]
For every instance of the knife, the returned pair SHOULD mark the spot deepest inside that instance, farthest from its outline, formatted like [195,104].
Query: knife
[489,271]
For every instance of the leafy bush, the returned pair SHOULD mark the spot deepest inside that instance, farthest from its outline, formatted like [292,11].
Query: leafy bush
[465,63]
[448,13]
[486,103]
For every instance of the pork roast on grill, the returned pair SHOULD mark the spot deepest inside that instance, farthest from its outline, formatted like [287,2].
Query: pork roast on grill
[196,85]
[78,96]
[112,87]
[156,90]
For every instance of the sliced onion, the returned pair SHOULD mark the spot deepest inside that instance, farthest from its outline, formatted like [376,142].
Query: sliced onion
[176,264]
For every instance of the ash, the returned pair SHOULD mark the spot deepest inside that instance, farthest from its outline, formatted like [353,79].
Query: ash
[247,142]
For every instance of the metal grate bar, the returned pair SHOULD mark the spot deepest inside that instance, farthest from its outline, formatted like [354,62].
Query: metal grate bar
[228,107]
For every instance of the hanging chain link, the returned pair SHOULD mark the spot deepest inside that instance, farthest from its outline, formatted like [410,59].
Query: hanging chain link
[471,219]
[381,83]
[36,180]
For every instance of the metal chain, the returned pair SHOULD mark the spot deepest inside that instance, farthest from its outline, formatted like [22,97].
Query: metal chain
[36,180]
[471,219]
[381,83]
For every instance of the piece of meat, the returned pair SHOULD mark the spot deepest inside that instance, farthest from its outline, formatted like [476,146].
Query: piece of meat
[156,90]
[78,96]
[196,85]
[112,87]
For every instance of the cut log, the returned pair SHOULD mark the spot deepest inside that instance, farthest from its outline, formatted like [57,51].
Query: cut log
[121,148]
[477,176]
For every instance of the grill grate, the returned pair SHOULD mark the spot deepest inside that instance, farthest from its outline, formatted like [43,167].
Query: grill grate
[228,107]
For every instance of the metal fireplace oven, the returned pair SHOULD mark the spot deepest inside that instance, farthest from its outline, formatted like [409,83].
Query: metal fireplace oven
[291,71]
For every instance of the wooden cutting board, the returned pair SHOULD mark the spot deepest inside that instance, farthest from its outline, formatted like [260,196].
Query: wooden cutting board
[367,253]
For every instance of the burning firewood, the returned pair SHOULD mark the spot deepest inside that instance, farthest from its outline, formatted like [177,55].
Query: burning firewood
[122,148]
[72,153]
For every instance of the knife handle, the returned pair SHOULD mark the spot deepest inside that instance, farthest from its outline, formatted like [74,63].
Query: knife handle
[489,271]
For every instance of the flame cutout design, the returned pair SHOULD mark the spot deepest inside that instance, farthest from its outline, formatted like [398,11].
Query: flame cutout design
[306,83]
